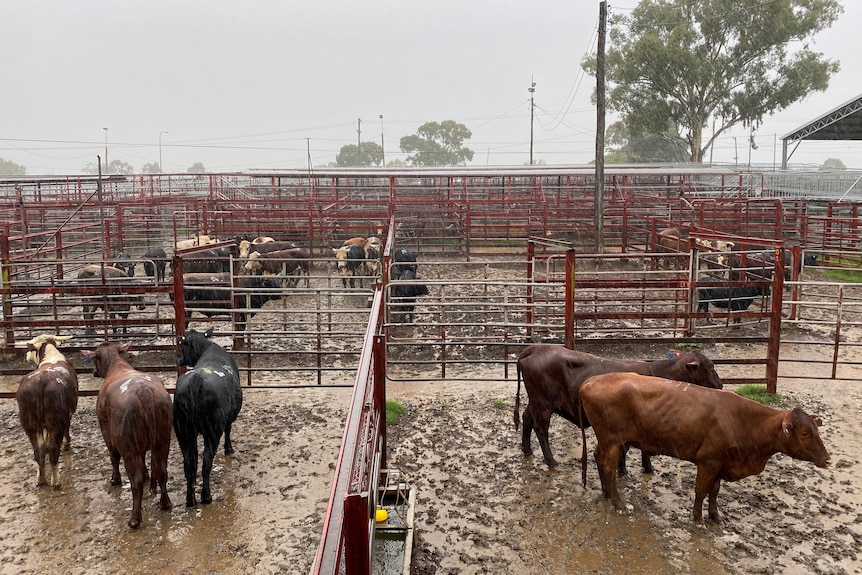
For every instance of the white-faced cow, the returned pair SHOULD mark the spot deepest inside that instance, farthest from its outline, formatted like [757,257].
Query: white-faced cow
[373,250]
[404,260]
[553,376]
[134,411]
[47,397]
[726,435]
[350,261]
[207,401]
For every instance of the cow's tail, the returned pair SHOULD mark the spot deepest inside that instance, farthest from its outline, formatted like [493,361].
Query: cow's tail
[583,443]
[518,396]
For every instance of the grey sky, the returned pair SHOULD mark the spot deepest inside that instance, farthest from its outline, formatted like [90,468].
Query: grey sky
[254,85]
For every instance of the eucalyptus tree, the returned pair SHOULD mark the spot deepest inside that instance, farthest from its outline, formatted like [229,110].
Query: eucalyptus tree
[727,62]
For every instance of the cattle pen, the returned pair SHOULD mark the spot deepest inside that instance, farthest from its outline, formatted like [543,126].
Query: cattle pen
[509,259]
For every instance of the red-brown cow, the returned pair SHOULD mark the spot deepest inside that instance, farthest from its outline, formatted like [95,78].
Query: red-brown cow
[726,435]
[553,375]
[47,398]
[135,415]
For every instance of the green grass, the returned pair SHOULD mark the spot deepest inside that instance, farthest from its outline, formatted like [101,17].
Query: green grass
[689,346]
[394,411]
[500,403]
[758,393]
[844,275]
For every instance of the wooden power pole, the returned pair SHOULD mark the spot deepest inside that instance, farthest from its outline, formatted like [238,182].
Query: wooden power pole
[600,129]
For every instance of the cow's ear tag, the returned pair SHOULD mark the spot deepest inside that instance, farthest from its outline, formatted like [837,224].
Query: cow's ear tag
[88,359]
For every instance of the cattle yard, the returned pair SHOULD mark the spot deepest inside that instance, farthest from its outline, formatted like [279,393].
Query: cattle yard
[509,258]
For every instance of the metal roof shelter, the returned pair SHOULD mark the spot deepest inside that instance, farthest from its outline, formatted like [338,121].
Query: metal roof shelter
[842,123]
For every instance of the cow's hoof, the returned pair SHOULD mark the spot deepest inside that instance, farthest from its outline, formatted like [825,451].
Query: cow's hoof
[191,502]
[134,524]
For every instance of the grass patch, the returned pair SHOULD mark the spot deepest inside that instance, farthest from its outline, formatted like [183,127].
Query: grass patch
[499,403]
[394,411]
[854,276]
[758,393]
[689,346]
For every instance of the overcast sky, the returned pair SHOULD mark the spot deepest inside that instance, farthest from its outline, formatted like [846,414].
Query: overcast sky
[259,84]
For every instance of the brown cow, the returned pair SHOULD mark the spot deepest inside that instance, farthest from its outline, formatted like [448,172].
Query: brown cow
[47,398]
[114,301]
[135,415]
[726,435]
[290,265]
[553,375]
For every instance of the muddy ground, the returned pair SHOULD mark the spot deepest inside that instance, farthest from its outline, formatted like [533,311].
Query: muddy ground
[482,506]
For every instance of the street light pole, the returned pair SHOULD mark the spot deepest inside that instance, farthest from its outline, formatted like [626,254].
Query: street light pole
[161,167]
[531,89]
[359,140]
[106,150]
[382,149]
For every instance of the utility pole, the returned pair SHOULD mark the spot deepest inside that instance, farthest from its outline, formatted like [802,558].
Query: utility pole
[106,150]
[161,166]
[359,141]
[531,90]
[382,149]
[600,128]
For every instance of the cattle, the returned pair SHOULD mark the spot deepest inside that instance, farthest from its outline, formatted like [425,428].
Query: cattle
[201,240]
[212,294]
[287,264]
[404,260]
[404,297]
[207,400]
[47,398]
[350,262]
[357,241]
[212,260]
[246,247]
[373,250]
[262,240]
[553,375]
[123,261]
[155,262]
[114,302]
[730,297]
[726,435]
[135,416]
[761,263]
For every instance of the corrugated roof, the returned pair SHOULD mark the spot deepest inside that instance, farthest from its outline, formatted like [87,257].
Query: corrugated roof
[842,123]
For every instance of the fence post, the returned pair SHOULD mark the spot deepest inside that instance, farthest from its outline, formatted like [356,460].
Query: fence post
[570,299]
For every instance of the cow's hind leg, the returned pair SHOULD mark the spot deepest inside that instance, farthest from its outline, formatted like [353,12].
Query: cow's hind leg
[188,443]
[543,424]
[135,470]
[159,464]
[706,483]
[115,467]
[211,441]
[228,445]
[527,431]
[607,460]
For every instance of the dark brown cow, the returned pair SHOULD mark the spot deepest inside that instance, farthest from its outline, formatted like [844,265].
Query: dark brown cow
[553,375]
[114,302]
[135,415]
[47,398]
[726,435]
[213,294]
[288,264]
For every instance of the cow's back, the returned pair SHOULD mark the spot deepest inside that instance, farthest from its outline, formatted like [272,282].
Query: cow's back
[135,412]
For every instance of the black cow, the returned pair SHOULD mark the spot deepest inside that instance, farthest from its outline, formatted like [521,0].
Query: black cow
[124,263]
[211,294]
[404,297]
[155,262]
[734,298]
[207,401]
[209,261]
[404,260]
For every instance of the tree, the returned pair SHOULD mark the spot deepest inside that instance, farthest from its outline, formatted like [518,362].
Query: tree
[436,144]
[115,167]
[624,148]
[196,168]
[833,164]
[151,168]
[350,155]
[10,168]
[728,61]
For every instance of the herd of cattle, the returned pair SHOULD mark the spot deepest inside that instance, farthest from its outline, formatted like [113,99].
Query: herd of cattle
[269,265]
[730,267]
[675,406]
[135,412]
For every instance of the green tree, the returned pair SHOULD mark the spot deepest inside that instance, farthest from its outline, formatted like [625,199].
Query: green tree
[196,168]
[730,61]
[350,155]
[115,167]
[438,144]
[623,148]
[10,168]
[151,168]
[833,164]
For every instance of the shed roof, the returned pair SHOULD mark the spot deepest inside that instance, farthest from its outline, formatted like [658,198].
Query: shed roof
[842,123]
